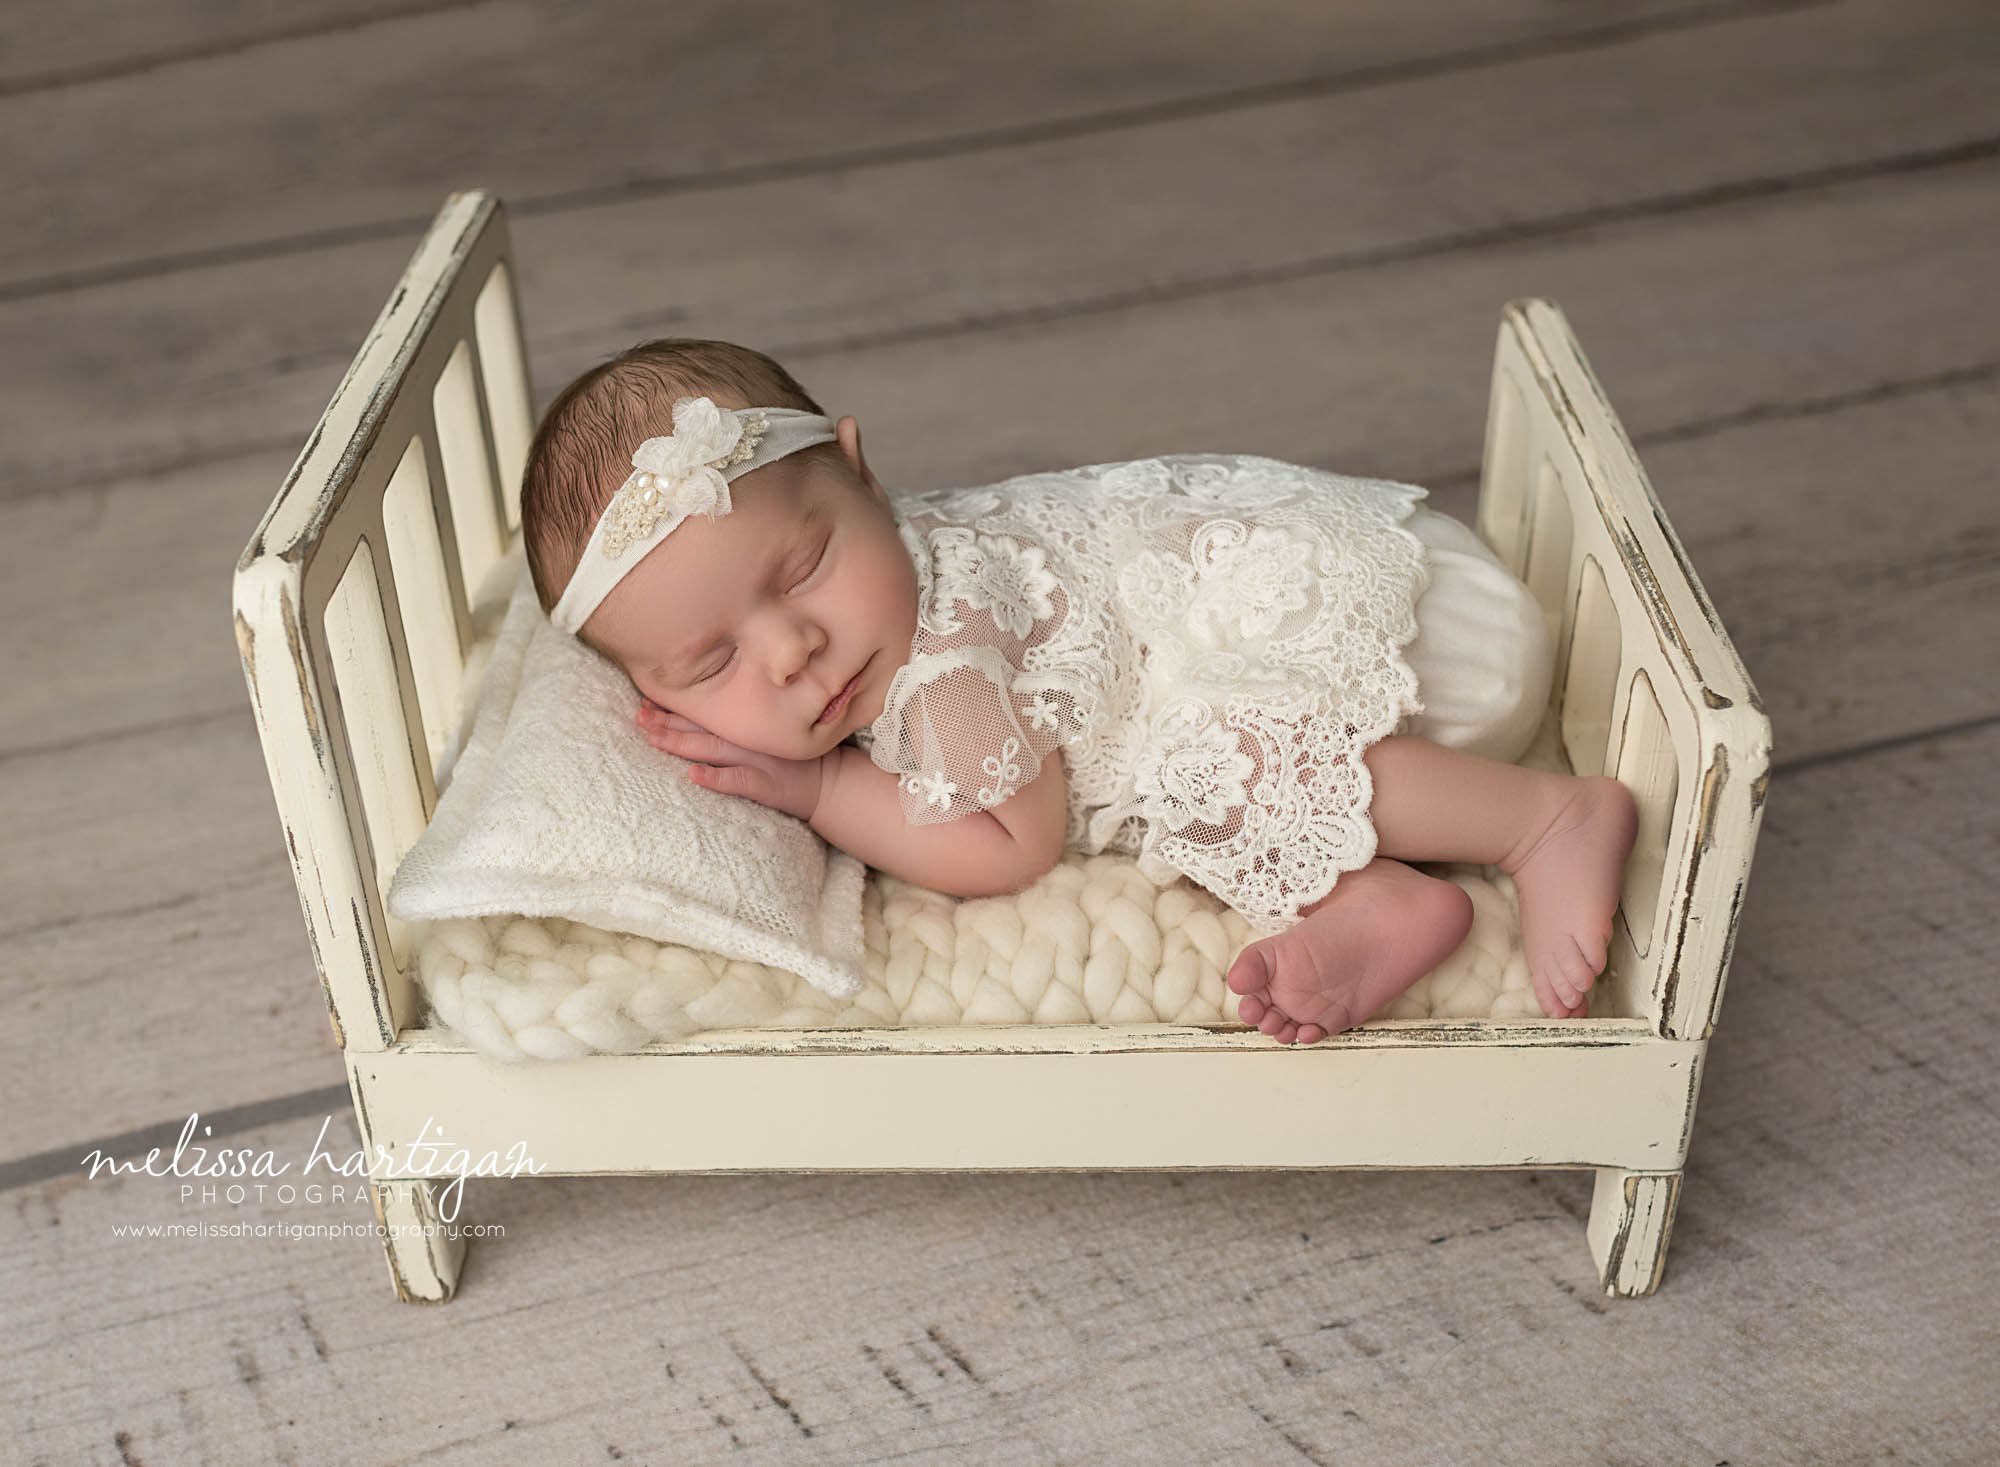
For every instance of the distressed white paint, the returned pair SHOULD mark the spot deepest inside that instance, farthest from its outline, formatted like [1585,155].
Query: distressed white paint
[1631,1213]
[1564,500]
[425,1252]
[1647,686]
[969,1099]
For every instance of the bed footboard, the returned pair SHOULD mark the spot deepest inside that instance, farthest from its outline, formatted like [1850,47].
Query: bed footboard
[1647,685]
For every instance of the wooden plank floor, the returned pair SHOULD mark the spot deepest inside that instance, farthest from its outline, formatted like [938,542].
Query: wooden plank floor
[1009,238]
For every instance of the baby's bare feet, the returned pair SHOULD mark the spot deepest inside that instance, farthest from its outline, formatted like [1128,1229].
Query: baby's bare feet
[1380,930]
[1568,876]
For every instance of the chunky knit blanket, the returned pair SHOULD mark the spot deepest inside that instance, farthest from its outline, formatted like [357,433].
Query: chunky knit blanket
[1093,942]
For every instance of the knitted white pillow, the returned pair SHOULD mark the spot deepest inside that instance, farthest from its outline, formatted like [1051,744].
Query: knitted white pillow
[558,807]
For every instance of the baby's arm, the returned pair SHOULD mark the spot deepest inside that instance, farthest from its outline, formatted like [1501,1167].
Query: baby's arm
[854,805]
[980,854]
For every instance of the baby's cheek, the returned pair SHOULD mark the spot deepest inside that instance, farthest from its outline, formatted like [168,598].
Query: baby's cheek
[893,597]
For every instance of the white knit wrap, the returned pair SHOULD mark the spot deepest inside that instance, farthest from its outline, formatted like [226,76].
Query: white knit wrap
[1095,941]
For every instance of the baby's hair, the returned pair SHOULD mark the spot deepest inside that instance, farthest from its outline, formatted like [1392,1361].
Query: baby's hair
[583,446]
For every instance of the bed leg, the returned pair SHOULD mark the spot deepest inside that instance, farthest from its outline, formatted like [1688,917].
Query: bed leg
[1631,1214]
[425,1252]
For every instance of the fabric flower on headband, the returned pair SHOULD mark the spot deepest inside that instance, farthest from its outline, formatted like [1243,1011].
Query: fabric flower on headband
[681,474]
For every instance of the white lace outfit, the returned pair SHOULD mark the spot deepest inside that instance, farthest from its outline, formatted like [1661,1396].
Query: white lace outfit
[1212,640]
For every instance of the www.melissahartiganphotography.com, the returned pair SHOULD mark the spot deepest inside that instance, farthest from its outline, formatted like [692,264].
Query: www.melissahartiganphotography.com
[246,1228]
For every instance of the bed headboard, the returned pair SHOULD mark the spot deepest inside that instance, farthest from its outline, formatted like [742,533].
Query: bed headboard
[354,597]
[1647,684]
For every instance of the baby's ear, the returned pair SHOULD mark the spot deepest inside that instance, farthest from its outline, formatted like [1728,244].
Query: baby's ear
[847,433]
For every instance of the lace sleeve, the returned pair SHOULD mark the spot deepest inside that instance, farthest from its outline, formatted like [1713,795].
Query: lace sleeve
[969,720]
[968,734]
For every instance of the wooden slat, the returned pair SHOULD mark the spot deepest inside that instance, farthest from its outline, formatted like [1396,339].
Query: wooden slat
[1846,636]
[930,243]
[144,641]
[195,1003]
[136,822]
[54,43]
[315,135]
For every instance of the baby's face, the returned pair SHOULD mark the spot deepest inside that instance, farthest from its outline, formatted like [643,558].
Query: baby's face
[753,624]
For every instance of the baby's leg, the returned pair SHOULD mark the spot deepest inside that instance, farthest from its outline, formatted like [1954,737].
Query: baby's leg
[1378,931]
[1563,839]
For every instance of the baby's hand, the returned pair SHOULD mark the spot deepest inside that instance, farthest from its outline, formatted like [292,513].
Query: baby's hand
[790,785]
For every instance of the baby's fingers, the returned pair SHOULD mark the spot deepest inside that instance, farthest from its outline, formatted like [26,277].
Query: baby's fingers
[652,715]
[730,779]
[691,743]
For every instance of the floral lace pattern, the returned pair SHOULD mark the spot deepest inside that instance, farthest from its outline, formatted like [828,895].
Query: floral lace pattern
[1212,641]
[999,575]
[1192,770]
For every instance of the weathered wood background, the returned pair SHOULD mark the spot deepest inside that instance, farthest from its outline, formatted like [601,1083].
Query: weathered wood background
[1007,237]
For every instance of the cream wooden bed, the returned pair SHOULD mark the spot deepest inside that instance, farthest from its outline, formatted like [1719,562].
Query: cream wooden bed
[353,621]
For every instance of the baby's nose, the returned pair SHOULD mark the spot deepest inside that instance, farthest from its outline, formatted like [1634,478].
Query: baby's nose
[797,654]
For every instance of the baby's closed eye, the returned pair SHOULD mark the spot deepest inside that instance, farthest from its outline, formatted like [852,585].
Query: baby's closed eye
[808,566]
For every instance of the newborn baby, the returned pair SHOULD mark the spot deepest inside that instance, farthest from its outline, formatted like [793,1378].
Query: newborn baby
[1282,683]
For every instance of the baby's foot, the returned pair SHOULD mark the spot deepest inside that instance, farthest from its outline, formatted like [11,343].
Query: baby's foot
[1380,930]
[1568,877]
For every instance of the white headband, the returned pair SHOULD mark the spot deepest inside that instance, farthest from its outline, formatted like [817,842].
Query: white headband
[684,473]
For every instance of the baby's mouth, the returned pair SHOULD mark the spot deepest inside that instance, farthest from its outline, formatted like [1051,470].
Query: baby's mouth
[840,700]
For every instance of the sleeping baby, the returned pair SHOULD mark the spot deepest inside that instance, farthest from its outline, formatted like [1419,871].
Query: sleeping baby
[1282,683]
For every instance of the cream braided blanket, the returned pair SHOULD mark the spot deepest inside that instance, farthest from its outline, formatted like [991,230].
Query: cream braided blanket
[1093,942]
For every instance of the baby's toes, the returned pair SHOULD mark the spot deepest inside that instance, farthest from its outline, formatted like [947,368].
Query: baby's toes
[1553,1004]
[1578,972]
[1311,1034]
[1585,956]
[1592,948]
[1250,1009]
[1250,973]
